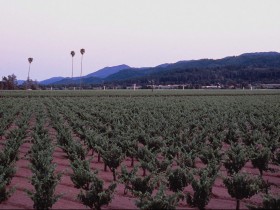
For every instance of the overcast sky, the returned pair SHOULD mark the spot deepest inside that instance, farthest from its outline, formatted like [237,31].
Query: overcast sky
[138,33]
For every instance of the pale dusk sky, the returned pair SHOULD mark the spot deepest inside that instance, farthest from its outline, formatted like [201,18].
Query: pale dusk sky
[138,33]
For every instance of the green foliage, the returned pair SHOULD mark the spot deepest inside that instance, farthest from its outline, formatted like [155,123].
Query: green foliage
[159,201]
[145,157]
[44,178]
[7,172]
[178,180]
[277,157]
[241,186]
[75,150]
[232,134]
[260,157]
[209,154]
[187,159]
[154,143]
[270,202]
[236,158]
[125,177]
[44,184]
[4,193]
[140,186]
[82,175]
[112,157]
[96,196]
[202,188]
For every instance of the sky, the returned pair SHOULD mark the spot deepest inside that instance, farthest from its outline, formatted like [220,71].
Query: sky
[139,33]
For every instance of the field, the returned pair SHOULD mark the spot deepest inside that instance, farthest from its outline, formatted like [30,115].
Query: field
[183,149]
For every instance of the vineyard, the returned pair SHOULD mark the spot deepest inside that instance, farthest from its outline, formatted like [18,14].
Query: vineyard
[121,149]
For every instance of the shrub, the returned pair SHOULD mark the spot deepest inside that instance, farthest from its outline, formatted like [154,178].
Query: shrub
[82,175]
[43,196]
[159,201]
[236,158]
[125,177]
[4,193]
[96,196]
[242,186]
[202,189]
[260,158]
[142,185]
[112,158]
[178,180]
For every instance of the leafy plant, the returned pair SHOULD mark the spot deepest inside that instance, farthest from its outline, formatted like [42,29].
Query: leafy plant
[43,196]
[260,157]
[202,189]
[125,177]
[178,180]
[82,175]
[236,158]
[269,202]
[44,178]
[4,193]
[96,196]
[112,158]
[209,154]
[140,186]
[159,201]
[241,186]
[145,156]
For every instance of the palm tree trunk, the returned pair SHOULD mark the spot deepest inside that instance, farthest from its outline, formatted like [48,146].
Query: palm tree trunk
[27,82]
[81,72]
[72,67]
[28,71]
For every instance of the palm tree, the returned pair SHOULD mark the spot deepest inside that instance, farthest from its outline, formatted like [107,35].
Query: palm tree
[82,52]
[30,61]
[73,54]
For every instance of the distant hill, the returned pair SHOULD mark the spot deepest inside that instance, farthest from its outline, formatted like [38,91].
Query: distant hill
[20,82]
[51,80]
[264,64]
[260,67]
[77,80]
[92,78]
[105,72]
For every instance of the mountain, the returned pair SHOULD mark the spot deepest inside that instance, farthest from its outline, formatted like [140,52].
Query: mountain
[248,60]
[77,81]
[105,72]
[262,67]
[51,80]
[20,82]
[95,77]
